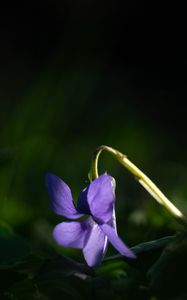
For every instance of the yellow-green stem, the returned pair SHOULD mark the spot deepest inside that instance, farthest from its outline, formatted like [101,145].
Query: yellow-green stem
[141,177]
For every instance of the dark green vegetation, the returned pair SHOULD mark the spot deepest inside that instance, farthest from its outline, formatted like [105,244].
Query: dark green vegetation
[75,75]
[158,272]
[43,135]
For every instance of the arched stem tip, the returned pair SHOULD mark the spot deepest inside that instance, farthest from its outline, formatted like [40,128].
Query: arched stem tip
[143,179]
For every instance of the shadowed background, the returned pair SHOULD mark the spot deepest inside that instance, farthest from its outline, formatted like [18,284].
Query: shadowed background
[75,75]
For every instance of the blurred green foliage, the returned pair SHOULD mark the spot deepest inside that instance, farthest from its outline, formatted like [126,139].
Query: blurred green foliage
[75,75]
[55,127]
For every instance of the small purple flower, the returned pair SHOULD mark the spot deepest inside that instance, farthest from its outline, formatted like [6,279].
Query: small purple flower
[92,234]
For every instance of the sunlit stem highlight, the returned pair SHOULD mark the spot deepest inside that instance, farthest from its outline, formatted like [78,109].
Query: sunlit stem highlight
[141,177]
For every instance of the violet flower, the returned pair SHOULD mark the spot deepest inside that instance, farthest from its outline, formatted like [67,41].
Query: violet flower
[92,234]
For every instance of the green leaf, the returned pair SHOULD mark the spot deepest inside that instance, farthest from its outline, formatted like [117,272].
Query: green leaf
[5,229]
[146,247]
[63,277]
[168,275]
[147,253]
[12,247]
[66,266]
[22,290]
[152,245]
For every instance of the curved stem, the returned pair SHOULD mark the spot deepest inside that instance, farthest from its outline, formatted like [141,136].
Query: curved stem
[141,177]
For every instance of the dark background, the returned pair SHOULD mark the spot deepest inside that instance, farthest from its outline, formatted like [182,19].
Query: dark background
[78,74]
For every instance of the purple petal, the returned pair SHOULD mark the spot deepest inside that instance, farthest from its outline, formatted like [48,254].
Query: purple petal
[61,198]
[95,246]
[71,234]
[116,242]
[101,197]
